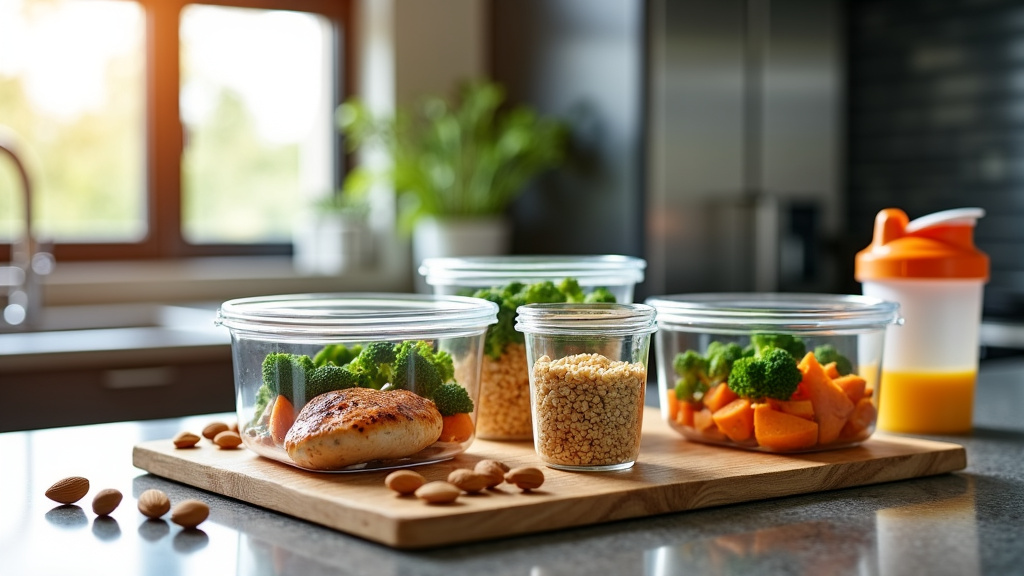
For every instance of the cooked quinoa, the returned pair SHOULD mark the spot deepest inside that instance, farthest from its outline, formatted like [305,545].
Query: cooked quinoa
[503,412]
[589,409]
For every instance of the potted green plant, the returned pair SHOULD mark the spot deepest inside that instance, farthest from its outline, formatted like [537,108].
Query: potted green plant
[456,165]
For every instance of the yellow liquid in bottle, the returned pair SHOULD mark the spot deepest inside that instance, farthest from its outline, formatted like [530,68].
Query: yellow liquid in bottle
[926,402]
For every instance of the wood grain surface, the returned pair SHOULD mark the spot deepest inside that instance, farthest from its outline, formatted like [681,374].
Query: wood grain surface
[671,475]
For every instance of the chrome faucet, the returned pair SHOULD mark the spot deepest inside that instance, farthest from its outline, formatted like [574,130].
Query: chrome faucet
[28,263]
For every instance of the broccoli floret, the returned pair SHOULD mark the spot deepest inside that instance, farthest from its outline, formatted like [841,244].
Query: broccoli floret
[570,288]
[337,354]
[772,374]
[510,290]
[692,369]
[420,369]
[827,353]
[720,360]
[375,364]
[690,363]
[792,344]
[452,399]
[542,293]
[504,332]
[600,294]
[330,377]
[284,373]
[263,397]
[515,294]
[445,365]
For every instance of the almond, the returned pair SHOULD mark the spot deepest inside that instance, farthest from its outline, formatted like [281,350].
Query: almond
[493,470]
[190,513]
[154,503]
[214,428]
[68,490]
[438,492]
[185,440]
[468,480]
[227,440]
[106,501]
[526,478]
[404,481]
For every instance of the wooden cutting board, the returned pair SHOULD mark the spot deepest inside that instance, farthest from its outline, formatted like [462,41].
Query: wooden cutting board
[671,475]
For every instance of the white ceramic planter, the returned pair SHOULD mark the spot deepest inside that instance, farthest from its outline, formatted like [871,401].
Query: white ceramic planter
[434,237]
[331,243]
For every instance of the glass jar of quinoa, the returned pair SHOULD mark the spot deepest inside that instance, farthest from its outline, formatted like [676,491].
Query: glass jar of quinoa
[588,373]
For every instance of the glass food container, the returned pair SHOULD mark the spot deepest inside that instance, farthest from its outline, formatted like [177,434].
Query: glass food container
[771,372]
[588,374]
[512,281]
[344,382]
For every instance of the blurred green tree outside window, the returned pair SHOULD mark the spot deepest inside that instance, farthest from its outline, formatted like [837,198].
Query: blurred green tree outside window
[166,128]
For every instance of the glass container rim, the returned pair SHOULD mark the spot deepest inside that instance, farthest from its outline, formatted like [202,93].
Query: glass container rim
[374,315]
[612,319]
[781,312]
[502,269]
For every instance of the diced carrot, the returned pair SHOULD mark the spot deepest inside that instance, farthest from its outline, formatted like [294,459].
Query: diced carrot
[853,385]
[702,420]
[672,402]
[735,420]
[831,405]
[718,396]
[801,408]
[685,414]
[784,432]
[831,370]
[282,416]
[456,428]
[868,391]
[859,425]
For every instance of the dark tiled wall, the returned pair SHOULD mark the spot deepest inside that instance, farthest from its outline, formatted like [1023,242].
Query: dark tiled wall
[936,121]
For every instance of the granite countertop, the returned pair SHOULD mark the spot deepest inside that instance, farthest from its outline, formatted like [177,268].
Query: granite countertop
[965,523]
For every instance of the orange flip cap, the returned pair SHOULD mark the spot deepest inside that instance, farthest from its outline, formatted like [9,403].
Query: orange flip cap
[939,245]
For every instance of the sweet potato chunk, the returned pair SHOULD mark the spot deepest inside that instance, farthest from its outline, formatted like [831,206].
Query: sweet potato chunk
[783,432]
[718,396]
[735,420]
[832,406]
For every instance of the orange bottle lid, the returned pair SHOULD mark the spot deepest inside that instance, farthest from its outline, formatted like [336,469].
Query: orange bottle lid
[939,245]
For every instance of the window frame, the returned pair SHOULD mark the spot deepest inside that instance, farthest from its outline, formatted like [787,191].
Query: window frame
[164,133]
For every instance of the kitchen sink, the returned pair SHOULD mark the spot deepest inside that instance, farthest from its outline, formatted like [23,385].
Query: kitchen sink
[102,363]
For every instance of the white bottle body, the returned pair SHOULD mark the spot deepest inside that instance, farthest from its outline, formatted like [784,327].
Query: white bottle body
[941,319]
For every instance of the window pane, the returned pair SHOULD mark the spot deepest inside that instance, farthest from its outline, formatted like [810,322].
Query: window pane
[256,101]
[71,85]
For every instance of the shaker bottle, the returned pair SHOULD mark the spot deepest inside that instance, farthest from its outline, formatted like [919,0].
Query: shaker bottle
[931,267]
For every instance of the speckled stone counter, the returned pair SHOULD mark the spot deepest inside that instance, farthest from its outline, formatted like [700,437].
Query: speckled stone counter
[966,523]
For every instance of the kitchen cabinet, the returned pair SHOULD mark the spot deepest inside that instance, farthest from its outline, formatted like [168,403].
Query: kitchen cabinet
[744,144]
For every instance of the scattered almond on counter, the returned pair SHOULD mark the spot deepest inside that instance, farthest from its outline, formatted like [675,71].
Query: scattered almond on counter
[153,503]
[438,492]
[227,440]
[214,428]
[493,470]
[106,501]
[526,478]
[185,440]
[404,481]
[468,480]
[68,490]
[190,513]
